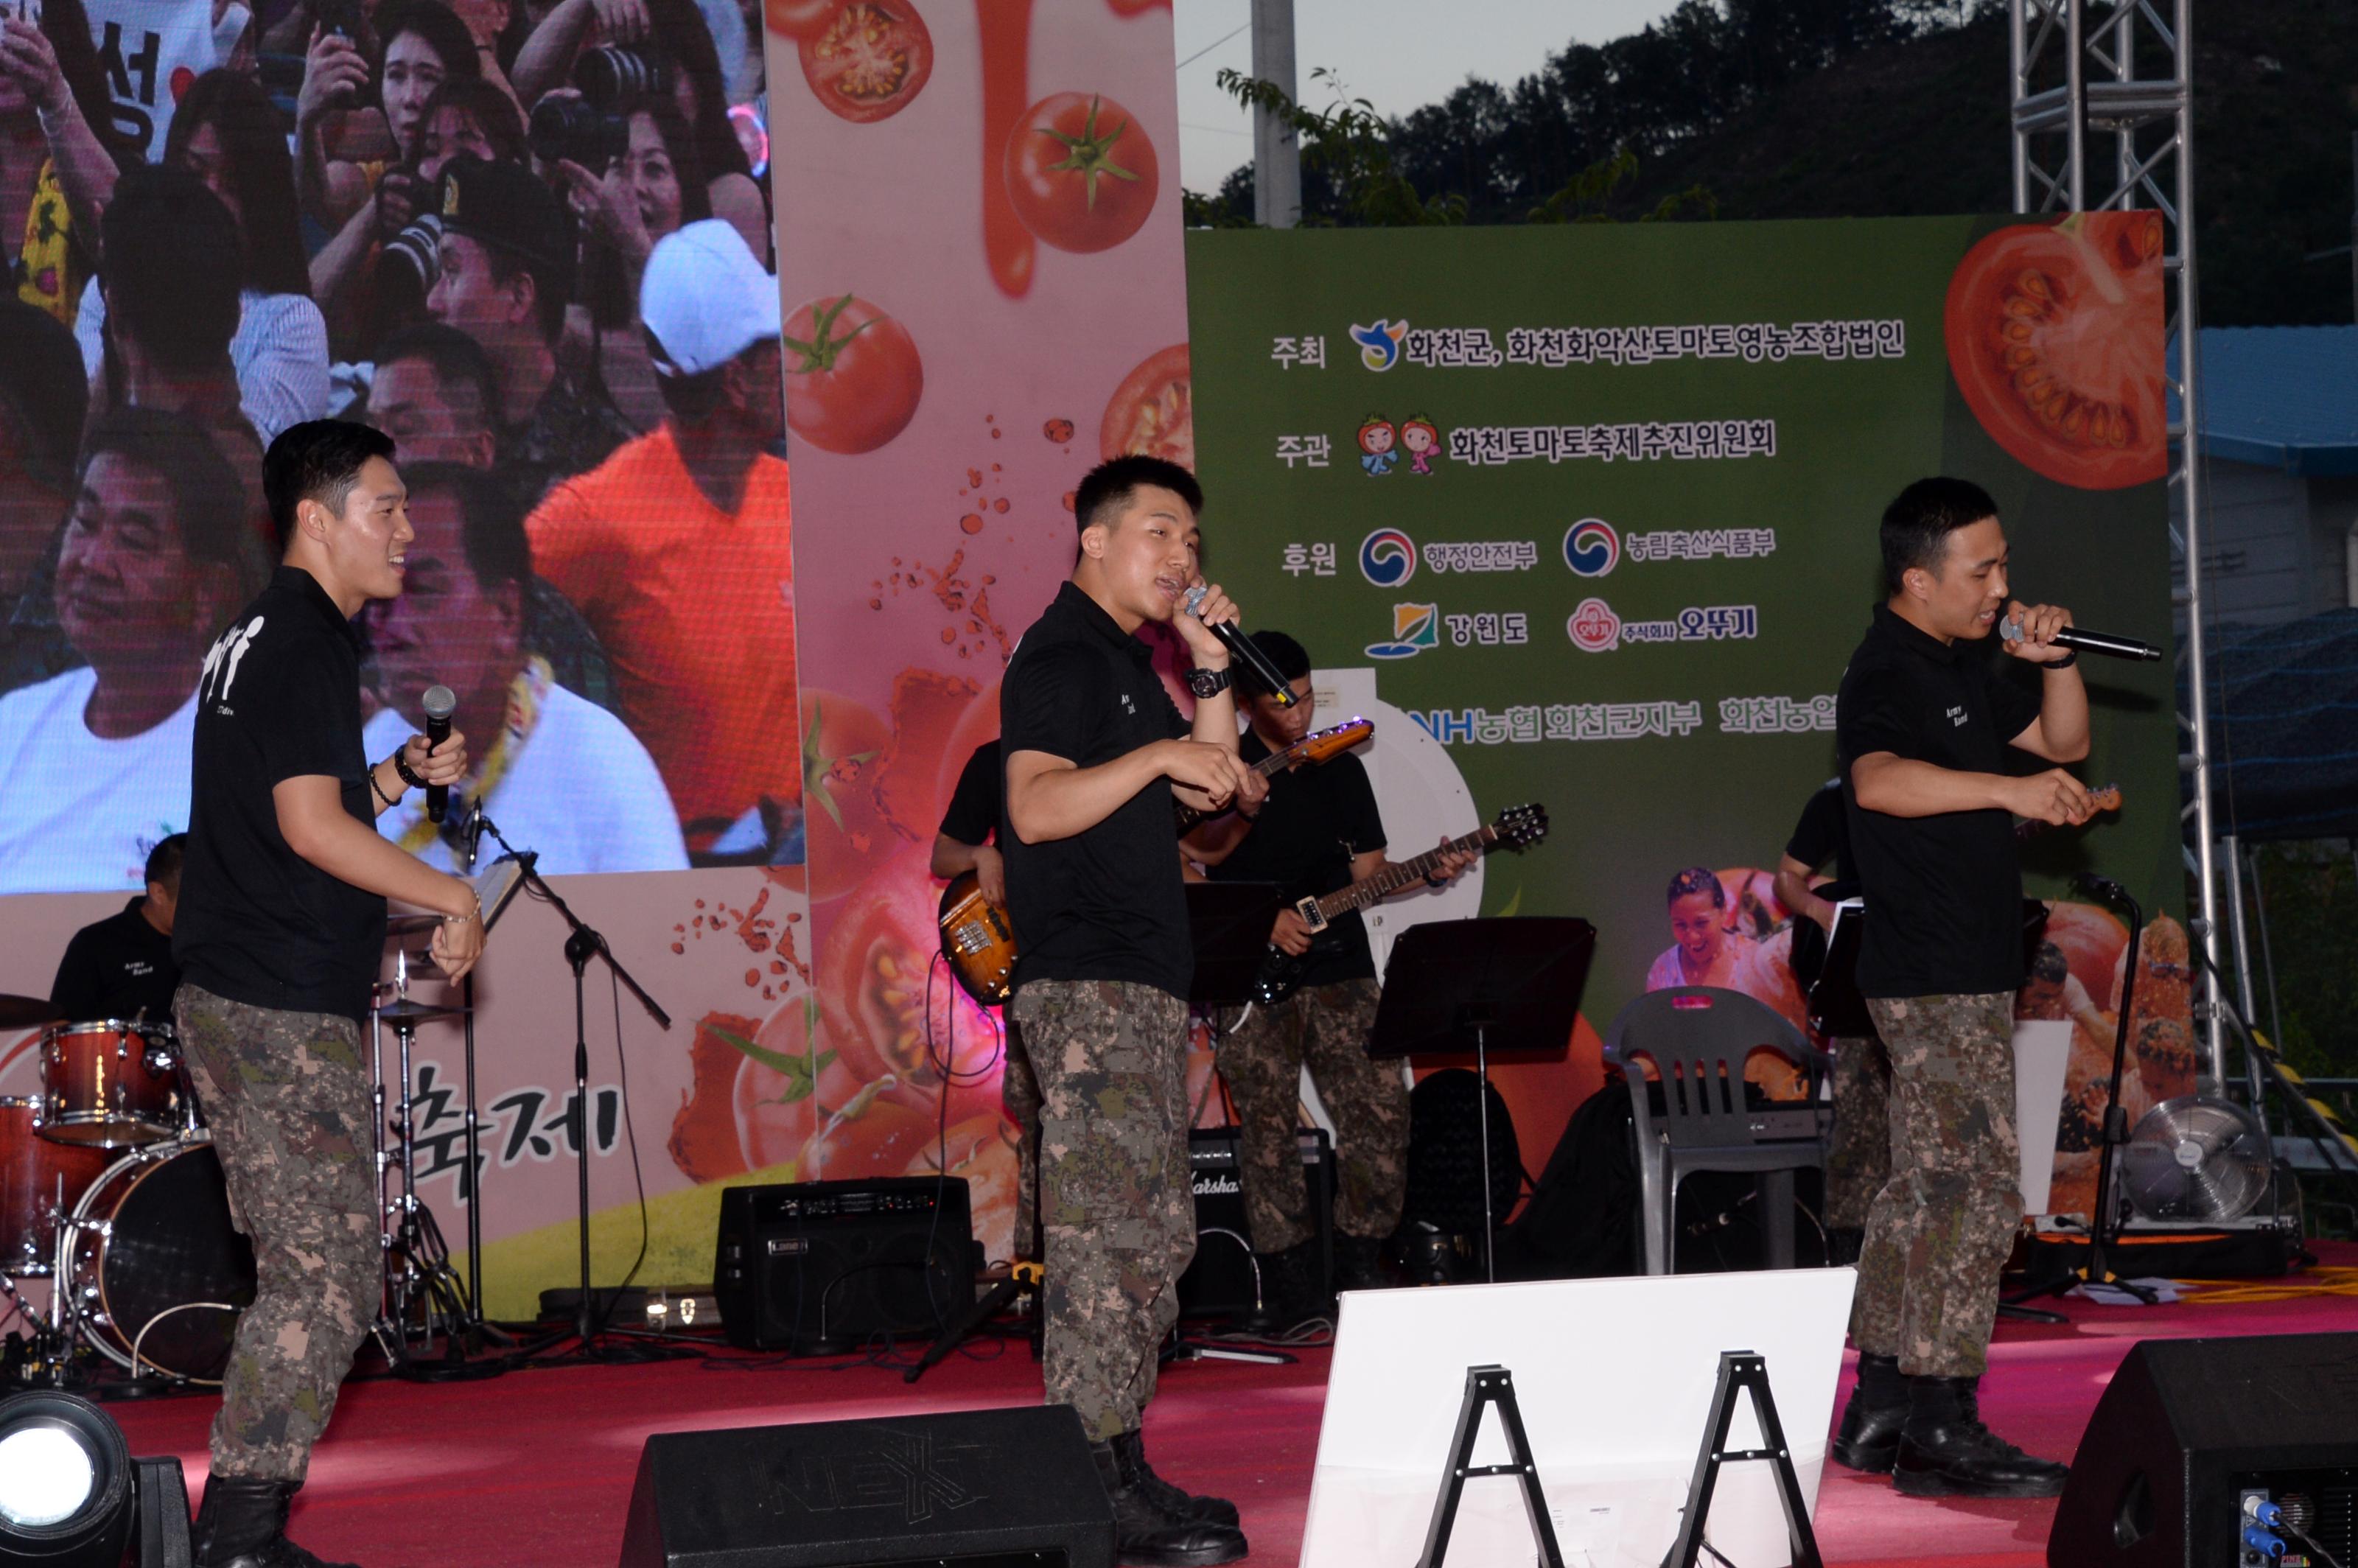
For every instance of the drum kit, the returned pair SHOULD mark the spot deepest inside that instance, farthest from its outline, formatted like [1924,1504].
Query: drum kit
[111,1192]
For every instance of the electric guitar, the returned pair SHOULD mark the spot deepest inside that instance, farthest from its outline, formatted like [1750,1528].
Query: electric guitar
[1807,956]
[1280,971]
[980,943]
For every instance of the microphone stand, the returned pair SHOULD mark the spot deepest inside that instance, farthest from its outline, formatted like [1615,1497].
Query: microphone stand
[582,944]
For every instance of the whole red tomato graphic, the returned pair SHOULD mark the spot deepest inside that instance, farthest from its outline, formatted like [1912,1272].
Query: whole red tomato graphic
[2055,337]
[853,377]
[1152,411]
[868,58]
[1080,171]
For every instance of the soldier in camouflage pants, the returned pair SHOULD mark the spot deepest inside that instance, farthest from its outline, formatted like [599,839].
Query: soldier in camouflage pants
[1942,1225]
[1116,1211]
[1018,1096]
[286,1100]
[1262,1058]
[1860,1161]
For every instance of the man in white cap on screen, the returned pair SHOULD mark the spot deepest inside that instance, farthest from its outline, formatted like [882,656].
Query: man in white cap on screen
[677,550]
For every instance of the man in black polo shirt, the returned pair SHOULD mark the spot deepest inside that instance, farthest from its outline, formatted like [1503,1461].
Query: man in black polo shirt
[1318,831]
[280,934]
[1860,1161]
[1095,754]
[122,967]
[1923,728]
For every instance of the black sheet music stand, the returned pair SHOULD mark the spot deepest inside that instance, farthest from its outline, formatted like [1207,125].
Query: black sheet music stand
[1505,983]
[1836,1010]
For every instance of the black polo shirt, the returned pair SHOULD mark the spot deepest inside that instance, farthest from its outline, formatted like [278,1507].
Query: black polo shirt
[117,968]
[1105,903]
[973,815]
[1823,834]
[279,698]
[1943,893]
[1314,821]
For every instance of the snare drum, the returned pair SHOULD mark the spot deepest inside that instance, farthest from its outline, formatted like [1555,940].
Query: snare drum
[153,1264]
[40,1181]
[111,1085]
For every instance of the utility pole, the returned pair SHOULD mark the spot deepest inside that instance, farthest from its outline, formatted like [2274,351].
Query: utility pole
[1277,152]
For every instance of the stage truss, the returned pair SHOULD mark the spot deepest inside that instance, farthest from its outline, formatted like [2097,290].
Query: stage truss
[2102,94]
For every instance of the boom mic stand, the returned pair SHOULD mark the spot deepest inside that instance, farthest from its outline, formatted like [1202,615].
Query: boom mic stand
[583,944]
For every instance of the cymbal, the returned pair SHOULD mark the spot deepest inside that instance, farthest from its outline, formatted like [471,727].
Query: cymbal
[407,1009]
[27,1011]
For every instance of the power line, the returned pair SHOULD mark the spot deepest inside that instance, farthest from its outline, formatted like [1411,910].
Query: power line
[1215,43]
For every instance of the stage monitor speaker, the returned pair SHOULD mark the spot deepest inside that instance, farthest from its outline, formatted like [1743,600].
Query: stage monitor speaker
[989,1488]
[819,1268]
[1220,1283]
[2187,1428]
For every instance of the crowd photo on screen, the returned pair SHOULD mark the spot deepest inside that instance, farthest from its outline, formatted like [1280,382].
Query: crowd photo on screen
[532,243]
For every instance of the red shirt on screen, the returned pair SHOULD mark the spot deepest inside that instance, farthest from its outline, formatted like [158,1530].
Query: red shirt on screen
[695,609]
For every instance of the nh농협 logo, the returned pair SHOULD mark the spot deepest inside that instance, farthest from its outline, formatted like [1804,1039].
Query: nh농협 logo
[1388,558]
[1591,548]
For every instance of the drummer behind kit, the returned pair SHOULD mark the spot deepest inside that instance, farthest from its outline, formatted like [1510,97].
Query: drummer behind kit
[109,1190]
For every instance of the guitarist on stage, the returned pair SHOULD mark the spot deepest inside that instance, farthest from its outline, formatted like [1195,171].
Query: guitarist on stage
[1925,731]
[1317,832]
[969,842]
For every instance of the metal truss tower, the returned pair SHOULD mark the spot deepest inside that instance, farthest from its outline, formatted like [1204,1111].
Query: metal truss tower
[2102,97]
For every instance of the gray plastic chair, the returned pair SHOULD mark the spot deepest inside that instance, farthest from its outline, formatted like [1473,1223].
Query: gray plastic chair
[1698,1038]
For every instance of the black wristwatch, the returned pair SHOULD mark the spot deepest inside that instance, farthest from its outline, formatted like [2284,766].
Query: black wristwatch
[2065,663]
[1208,683]
[408,774]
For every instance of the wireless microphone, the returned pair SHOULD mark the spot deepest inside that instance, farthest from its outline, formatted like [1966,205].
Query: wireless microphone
[2080,640]
[439,702]
[1245,652]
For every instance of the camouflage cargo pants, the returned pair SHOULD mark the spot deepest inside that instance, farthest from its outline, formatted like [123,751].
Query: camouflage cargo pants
[1860,1161]
[287,1102]
[1018,1096]
[1326,1028]
[1117,1212]
[1942,1225]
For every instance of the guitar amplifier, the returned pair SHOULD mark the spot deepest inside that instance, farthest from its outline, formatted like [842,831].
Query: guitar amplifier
[820,1268]
[1222,1280]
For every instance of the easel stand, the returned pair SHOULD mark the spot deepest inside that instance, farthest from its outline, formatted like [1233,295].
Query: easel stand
[1741,1371]
[582,944]
[1508,984]
[1488,1387]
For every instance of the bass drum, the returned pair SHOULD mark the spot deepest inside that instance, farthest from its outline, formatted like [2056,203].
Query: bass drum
[40,1181]
[156,1272]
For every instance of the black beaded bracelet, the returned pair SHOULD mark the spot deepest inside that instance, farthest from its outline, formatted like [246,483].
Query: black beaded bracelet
[401,766]
[2066,662]
[378,790]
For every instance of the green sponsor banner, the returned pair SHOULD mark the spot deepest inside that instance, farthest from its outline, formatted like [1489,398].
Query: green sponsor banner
[1600,506]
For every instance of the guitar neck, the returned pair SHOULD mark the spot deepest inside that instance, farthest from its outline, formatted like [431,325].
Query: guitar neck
[1393,878]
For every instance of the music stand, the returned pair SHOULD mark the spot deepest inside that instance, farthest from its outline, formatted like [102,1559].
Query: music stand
[1505,983]
[1836,1009]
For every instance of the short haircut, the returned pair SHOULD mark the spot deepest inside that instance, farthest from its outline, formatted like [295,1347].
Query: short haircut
[43,389]
[164,862]
[209,501]
[1698,878]
[490,524]
[457,360]
[1107,488]
[1292,660]
[320,459]
[1918,523]
[174,267]
[439,26]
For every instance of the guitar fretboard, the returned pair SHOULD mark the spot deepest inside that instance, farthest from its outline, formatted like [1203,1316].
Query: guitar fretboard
[1393,878]
[1189,816]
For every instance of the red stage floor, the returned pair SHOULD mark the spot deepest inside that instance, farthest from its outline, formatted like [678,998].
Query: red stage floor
[535,1468]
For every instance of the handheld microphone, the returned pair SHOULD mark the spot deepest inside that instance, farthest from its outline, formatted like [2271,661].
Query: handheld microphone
[439,702]
[2082,640]
[1245,652]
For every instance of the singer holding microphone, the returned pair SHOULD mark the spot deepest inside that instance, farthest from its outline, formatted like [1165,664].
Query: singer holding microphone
[279,935]
[1923,727]
[1095,753]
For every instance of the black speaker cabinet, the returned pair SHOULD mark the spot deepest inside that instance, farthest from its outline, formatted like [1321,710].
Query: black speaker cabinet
[2189,1427]
[993,1489]
[1219,1282]
[817,1268]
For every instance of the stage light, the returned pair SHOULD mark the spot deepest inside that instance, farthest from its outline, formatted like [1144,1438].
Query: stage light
[67,1484]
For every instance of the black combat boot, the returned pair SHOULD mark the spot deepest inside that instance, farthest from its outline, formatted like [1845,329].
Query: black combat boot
[1946,1452]
[1148,1534]
[1869,1439]
[1288,1286]
[1130,1448]
[1360,1263]
[243,1524]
